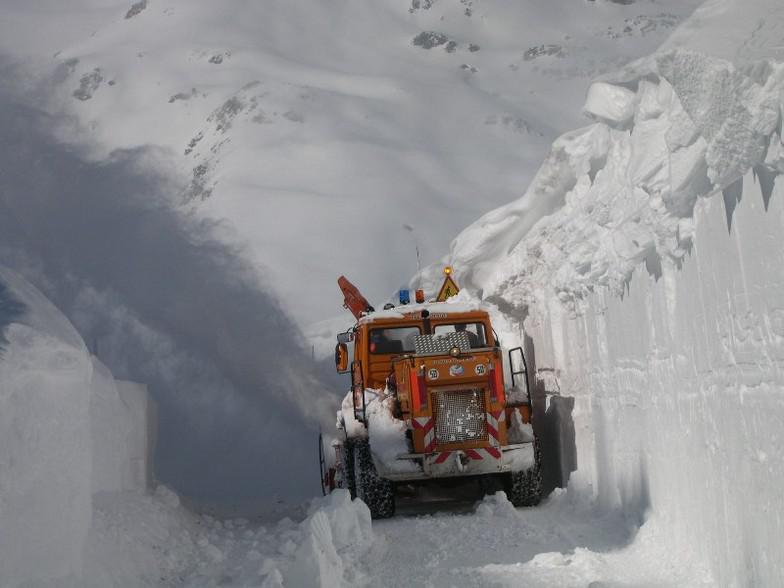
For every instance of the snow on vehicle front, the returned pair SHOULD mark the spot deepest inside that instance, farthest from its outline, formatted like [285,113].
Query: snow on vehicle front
[387,435]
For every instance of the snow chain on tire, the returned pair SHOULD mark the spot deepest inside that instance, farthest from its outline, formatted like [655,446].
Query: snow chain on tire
[376,492]
[348,467]
[525,488]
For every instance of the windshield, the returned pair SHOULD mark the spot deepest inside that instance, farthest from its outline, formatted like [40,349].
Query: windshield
[475,332]
[393,340]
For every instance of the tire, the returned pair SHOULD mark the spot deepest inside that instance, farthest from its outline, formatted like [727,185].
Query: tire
[376,492]
[525,488]
[348,467]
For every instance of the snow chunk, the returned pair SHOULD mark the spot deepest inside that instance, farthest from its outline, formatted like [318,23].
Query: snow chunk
[345,416]
[212,553]
[520,432]
[338,526]
[349,520]
[610,103]
[497,506]
[733,109]
[387,434]
[167,496]
[273,580]
[775,156]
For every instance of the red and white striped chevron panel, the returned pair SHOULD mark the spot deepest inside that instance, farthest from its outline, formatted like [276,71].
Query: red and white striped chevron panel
[426,425]
[493,420]
[475,454]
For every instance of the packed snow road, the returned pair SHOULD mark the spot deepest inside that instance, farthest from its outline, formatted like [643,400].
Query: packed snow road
[486,543]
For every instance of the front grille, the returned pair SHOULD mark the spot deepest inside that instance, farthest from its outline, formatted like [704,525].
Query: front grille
[459,416]
[442,344]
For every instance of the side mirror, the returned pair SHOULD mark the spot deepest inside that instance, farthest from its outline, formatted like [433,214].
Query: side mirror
[341,358]
[346,337]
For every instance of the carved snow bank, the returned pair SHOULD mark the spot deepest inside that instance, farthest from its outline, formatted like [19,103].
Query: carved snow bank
[67,431]
[45,460]
[122,418]
[644,264]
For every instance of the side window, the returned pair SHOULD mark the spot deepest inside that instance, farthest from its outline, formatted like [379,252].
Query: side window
[475,331]
[394,340]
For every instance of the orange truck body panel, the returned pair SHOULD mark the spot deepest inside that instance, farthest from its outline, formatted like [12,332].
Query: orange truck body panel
[376,367]
[480,370]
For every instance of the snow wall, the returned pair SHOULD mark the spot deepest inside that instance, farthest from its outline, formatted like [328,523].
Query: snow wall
[678,390]
[67,430]
[642,271]
[123,425]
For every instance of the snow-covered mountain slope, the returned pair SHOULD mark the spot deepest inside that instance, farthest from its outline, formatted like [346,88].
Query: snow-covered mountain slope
[320,130]
[642,271]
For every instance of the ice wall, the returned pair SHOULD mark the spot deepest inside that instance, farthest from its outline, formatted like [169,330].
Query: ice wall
[67,431]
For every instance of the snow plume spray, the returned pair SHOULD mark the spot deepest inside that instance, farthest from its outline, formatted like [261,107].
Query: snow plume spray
[161,300]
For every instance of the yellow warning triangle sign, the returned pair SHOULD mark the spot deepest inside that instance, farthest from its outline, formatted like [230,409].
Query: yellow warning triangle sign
[448,289]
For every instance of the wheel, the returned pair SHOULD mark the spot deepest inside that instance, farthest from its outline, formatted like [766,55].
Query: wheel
[376,492]
[524,488]
[348,467]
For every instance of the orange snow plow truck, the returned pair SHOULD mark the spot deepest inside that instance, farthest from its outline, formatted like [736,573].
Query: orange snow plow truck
[428,401]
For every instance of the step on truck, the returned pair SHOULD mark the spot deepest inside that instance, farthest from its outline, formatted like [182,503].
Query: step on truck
[428,401]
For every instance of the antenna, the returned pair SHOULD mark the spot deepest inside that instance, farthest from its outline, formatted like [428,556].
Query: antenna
[411,230]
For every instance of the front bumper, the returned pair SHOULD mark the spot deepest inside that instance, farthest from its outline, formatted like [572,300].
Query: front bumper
[457,463]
